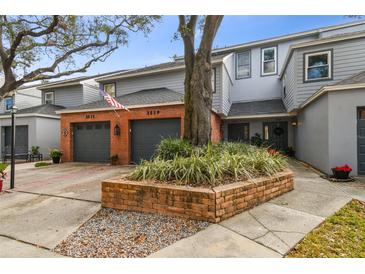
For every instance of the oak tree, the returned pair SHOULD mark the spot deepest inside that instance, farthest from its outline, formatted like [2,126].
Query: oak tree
[36,48]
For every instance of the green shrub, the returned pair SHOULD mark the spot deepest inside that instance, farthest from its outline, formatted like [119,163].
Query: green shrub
[211,164]
[40,164]
[169,148]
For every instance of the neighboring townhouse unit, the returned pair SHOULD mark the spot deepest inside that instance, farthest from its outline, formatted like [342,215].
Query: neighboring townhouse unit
[302,90]
[30,118]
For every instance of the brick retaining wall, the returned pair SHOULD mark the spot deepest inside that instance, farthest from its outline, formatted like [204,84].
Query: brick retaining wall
[213,205]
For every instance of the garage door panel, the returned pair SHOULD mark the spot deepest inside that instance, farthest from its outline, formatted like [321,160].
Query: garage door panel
[92,142]
[147,134]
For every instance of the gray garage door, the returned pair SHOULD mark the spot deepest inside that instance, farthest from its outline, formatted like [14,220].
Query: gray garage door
[92,142]
[147,134]
[361,141]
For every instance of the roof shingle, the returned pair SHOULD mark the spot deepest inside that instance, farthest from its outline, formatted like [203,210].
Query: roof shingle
[257,108]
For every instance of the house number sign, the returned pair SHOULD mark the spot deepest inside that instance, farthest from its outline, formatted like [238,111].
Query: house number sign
[90,116]
[153,112]
[64,132]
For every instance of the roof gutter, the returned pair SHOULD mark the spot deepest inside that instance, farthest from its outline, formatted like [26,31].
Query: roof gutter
[257,116]
[31,115]
[147,72]
[326,89]
[111,109]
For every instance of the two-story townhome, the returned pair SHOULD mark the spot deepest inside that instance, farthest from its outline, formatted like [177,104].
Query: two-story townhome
[30,117]
[300,90]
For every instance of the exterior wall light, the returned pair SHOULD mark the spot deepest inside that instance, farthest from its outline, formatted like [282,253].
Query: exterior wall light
[117,130]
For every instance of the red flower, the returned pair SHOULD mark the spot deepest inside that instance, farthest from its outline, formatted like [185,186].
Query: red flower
[345,168]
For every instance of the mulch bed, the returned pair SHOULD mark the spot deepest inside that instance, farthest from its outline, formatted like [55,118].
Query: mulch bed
[126,234]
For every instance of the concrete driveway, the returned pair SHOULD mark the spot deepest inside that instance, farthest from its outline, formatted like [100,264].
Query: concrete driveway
[48,204]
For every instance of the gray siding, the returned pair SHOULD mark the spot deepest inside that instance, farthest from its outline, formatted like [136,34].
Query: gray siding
[170,80]
[343,127]
[348,59]
[25,98]
[47,135]
[217,96]
[312,135]
[290,86]
[227,83]
[90,91]
[257,87]
[67,96]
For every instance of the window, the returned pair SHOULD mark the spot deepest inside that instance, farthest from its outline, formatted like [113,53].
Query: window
[49,97]
[8,103]
[361,115]
[268,61]
[110,89]
[213,79]
[243,65]
[317,66]
[266,132]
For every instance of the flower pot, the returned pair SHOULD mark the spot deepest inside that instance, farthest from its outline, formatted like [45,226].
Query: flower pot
[56,160]
[340,174]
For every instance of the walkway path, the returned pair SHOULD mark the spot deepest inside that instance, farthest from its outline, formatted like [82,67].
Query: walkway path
[271,229]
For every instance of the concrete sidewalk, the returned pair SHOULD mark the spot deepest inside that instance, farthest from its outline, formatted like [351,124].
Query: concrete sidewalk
[273,228]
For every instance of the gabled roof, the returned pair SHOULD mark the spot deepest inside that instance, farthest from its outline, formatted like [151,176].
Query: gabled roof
[139,98]
[321,41]
[356,81]
[45,109]
[257,108]
[158,68]
[283,38]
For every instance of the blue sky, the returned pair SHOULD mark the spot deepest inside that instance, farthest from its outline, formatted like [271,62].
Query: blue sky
[159,45]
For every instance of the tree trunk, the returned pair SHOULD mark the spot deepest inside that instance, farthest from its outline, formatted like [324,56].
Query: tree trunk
[198,87]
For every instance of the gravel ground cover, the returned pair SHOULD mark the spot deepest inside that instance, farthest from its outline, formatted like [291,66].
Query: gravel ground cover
[125,234]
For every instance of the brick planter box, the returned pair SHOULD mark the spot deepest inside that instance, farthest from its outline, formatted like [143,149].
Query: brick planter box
[208,204]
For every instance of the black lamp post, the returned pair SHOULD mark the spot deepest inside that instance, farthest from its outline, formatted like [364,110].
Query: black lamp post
[12,171]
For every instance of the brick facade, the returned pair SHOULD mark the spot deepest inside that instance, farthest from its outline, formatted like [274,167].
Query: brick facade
[121,145]
[209,204]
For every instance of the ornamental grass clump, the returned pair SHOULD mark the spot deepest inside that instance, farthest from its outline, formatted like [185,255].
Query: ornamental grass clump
[176,161]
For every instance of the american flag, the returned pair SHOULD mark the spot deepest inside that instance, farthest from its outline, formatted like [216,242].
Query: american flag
[111,101]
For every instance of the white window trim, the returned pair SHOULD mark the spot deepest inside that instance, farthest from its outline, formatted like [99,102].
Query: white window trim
[249,64]
[45,97]
[329,64]
[275,61]
[214,80]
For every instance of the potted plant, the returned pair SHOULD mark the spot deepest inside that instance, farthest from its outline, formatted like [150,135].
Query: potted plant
[341,172]
[35,150]
[114,159]
[2,178]
[55,154]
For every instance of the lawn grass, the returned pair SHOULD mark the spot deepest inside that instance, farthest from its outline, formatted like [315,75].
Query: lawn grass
[342,235]
[3,166]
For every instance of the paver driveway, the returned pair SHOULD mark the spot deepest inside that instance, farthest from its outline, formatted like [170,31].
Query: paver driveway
[48,204]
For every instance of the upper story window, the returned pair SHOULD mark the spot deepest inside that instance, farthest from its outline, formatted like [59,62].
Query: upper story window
[214,80]
[243,65]
[110,89]
[318,66]
[49,97]
[269,61]
[9,103]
